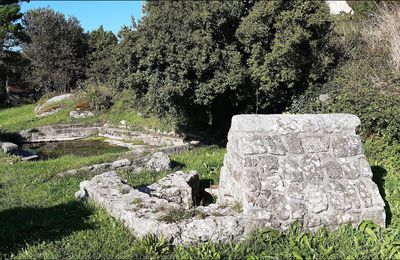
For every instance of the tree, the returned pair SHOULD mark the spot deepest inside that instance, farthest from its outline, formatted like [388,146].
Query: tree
[204,61]
[56,49]
[101,44]
[287,45]
[188,55]
[10,37]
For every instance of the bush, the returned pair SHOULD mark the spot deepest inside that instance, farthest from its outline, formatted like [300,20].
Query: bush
[207,61]
[365,84]
[100,96]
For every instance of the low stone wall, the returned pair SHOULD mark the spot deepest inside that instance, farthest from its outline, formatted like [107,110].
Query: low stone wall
[150,211]
[310,168]
[58,133]
[73,132]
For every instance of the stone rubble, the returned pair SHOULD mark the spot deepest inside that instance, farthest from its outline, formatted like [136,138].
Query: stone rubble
[80,114]
[278,169]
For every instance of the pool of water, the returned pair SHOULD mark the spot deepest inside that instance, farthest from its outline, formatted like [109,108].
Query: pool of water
[83,148]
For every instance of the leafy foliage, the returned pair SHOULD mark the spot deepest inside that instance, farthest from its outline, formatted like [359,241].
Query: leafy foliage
[203,62]
[56,50]
[365,84]
[100,43]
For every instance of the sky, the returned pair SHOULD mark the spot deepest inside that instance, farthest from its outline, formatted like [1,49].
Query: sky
[91,14]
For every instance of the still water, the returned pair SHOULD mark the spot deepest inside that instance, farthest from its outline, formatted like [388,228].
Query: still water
[83,148]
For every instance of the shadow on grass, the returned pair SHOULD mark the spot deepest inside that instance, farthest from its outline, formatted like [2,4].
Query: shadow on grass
[177,165]
[22,226]
[378,177]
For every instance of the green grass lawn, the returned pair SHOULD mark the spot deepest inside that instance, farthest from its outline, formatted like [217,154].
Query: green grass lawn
[40,218]
[20,118]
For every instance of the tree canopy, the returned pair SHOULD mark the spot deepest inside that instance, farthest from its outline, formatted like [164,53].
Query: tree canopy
[56,49]
[203,61]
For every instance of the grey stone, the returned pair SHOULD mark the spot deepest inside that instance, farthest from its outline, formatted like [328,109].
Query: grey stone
[312,168]
[8,147]
[315,144]
[144,214]
[268,179]
[294,144]
[292,170]
[180,187]
[80,114]
[159,162]
[319,175]
[347,146]
[52,101]
[333,170]
[316,198]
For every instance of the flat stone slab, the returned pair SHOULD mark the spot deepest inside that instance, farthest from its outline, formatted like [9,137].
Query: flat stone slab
[309,168]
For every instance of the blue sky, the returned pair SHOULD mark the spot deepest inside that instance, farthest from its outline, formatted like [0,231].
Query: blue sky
[91,14]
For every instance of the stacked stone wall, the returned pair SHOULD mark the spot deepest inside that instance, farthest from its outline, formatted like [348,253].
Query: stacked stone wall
[310,168]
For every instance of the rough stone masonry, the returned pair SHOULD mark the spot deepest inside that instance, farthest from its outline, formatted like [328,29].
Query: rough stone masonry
[310,168]
[279,168]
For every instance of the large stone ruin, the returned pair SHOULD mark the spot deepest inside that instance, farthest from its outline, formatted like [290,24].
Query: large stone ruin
[278,169]
[311,168]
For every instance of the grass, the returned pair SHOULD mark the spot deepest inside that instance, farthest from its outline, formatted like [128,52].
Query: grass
[20,118]
[41,218]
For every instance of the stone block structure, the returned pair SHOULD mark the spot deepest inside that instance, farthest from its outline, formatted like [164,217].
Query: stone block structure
[279,168]
[310,168]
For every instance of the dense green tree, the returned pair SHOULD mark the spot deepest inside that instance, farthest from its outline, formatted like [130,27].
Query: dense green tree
[189,61]
[204,61]
[101,44]
[56,49]
[287,45]
[10,37]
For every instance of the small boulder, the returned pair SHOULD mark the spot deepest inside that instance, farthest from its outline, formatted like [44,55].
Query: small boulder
[50,106]
[9,148]
[159,162]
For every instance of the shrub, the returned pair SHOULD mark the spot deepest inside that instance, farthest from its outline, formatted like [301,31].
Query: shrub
[381,32]
[100,96]
[83,105]
[365,84]
[207,61]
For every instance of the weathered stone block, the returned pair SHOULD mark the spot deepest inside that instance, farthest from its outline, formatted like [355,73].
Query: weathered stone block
[305,167]
[315,144]
[347,146]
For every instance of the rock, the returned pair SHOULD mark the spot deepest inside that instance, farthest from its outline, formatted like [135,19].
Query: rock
[159,162]
[58,133]
[180,188]
[278,169]
[80,114]
[145,214]
[51,103]
[9,148]
[338,7]
[306,167]
[325,99]
[119,164]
